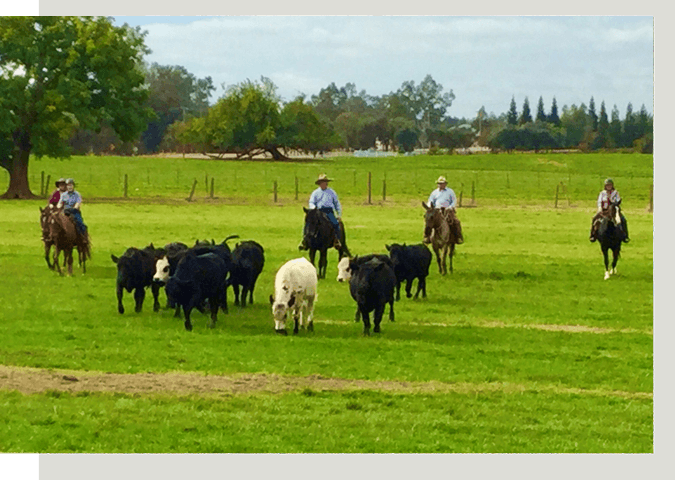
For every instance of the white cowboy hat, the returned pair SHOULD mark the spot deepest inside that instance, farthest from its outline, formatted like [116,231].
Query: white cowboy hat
[441,179]
[60,180]
[323,178]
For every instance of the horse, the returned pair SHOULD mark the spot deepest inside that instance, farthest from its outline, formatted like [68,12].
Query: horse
[610,236]
[46,237]
[319,236]
[437,232]
[63,234]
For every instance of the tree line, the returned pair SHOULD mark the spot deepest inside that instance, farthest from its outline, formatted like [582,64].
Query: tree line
[81,85]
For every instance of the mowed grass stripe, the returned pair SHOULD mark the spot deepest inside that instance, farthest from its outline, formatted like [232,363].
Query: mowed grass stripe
[33,380]
[493,324]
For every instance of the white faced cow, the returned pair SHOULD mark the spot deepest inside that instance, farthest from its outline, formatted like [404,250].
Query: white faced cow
[294,288]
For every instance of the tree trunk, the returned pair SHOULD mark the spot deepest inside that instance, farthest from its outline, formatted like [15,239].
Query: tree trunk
[17,166]
[276,154]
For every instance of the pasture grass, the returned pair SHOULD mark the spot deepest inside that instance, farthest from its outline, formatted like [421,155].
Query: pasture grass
[359,421]
[524,270]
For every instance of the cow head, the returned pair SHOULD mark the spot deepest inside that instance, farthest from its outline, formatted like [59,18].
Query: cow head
[161,271]
[280,309]
[344,272]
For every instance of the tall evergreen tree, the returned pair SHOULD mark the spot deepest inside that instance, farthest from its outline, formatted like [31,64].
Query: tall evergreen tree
[592,115]
[512,116]
[553,117]
[603,125]
[629,127]
[525,116]
[541,116]
[615,128]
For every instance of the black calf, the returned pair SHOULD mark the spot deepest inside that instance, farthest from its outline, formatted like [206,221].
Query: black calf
[410,262]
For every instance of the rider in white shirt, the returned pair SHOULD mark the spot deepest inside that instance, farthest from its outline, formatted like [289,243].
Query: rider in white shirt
[607,197]
[445,197]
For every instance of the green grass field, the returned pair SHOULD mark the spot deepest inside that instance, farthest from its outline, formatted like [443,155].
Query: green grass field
[550,357]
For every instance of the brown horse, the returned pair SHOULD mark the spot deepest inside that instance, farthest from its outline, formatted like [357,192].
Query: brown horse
[46,235]
[437,231]
[64,237]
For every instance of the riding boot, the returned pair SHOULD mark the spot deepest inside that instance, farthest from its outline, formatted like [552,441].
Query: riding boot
[624,226]
[303,245]
[458,234]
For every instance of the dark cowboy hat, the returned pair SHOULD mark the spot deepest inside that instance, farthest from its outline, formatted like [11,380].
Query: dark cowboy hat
[60,181]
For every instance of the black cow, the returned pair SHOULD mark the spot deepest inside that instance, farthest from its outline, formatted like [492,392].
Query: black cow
[135,269]
[198,278]
[223,251]
[372,285]
[248,259]
[410,262]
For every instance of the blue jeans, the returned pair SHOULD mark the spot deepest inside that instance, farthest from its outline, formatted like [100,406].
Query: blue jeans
[79,223]
[331,216]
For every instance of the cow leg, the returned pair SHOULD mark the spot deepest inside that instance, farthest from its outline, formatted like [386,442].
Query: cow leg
[357,316]
[391,308]
[250,293]
[244,294]
[224,302]
[214,312]
[139,296]
[188,323]
[177,312]
[120,293]
[310,314]
[398,290]
[235,288]
[155,296]
[377,317]
[296,320]
[408,287]
[366,322]
[420,282]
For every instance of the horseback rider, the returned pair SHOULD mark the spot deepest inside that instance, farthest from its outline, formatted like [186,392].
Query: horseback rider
[326,200]
[56,196]
[609,196]
[445,197]
[72,201]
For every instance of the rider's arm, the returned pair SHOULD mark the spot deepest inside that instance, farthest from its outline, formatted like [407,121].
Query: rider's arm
[312,200]
[600,201]
[336,205]
[432,199]
[453,199]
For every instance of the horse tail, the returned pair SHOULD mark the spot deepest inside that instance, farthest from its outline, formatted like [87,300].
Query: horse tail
[86,249]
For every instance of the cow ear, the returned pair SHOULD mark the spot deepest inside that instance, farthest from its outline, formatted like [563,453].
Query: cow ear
[305,209]
[291,302]
[151,246]
[388,247]
[114,258]
[271,300]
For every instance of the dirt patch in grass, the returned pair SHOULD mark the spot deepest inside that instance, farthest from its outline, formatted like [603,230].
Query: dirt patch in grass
[34,380]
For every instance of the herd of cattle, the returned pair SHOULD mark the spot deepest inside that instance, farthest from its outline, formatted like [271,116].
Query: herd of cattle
[198,278]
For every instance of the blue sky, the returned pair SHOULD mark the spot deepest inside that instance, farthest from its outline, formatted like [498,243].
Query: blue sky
[483,60]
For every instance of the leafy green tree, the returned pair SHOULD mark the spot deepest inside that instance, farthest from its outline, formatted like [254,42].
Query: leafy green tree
[541,115]
[62,73]
[302,130]
[512,116]
[553,117]
[575,120]
[525,116]
[175,94]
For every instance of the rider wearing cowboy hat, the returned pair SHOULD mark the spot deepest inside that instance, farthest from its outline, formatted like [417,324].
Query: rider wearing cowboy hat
[60,188]
[445,197]
[607,197]
[326,200]
[72,201]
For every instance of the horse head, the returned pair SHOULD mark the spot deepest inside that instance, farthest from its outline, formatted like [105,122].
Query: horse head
[432,218]
[315,222]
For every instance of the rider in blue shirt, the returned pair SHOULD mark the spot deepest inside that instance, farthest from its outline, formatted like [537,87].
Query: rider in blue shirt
[326,200]
[72,201]
[445,197]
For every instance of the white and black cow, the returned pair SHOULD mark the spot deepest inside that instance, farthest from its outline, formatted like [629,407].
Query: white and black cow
[135,269]
[167,261]
[295,287]
[410,262]
[372,285]
[198,278]
[248,259]
[345,272]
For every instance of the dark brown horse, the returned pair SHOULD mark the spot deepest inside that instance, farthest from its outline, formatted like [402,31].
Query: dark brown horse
[64,237]
[437,231]
[319,236]
[46,236]
[609,237]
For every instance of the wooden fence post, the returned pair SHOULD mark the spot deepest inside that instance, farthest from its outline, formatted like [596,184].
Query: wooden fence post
[473,193]
[651,198]
[126,185]
[206,182]
[49,177]
[557,189]
[194,185]
[212,186]
[296,187]
[384,190]
[275,191]
[370,176]
[508,184]
[43,187]
[461,193]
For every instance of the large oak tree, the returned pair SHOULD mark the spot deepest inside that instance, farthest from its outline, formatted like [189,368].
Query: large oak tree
[62,73]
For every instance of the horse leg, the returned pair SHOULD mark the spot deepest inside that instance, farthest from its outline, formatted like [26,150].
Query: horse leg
[616,253]
[323,263]
[438,259]
[69,258]
[57,252]
[48,247]
[606,258]
[452,254]
[445,260]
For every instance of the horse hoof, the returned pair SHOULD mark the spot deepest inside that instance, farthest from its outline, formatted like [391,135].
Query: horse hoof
[282,332]
[606,275]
